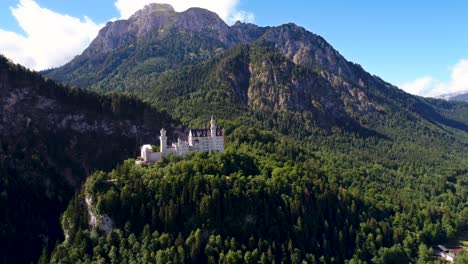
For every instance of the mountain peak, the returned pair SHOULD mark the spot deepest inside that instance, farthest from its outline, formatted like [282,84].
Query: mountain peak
[153,21]
[154,7]
[158,24]
[202,18]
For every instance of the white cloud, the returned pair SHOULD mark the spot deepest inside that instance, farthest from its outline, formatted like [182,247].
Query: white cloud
[242,16]
[51,38]
[226,9]
[419,86]
[428,86]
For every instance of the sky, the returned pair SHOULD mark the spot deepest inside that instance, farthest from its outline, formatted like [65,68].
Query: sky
[420,46]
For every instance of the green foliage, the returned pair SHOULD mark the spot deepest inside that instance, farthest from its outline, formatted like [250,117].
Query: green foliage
[44,162]
[324,164]
[135,65]
[462,257]
[260,201]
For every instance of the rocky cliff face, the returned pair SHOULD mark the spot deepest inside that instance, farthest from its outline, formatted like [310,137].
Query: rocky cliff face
[156,21]
[157,45]
[51,138]
[157,33]
[30,110]
[204,35]
[295,42]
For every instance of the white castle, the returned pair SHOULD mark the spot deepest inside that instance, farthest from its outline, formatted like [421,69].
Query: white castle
[211,139]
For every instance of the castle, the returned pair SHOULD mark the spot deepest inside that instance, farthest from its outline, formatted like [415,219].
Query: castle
[211,139]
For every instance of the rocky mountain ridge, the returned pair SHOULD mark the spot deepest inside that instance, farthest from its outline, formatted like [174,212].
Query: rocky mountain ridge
[186,60]
[154,20]
[204,34]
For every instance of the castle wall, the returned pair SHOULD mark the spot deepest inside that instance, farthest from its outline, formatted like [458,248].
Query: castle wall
[208,143]
[154,156]
[204,143]
[218,143]
[181,148]
[146,152]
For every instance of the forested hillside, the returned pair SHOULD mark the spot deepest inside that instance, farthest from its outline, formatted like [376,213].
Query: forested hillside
[52,137]
[266,199]
[191,63]
[324,163]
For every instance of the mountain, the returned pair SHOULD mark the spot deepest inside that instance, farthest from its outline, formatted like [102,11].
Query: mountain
[308,134]
[52,137]
[153,40]
[242,67]
[157,39]
[460,96]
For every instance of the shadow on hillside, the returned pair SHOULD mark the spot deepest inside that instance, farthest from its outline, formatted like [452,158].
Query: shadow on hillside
[430,114]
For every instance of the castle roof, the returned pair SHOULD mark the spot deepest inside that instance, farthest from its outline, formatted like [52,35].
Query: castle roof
[205,132]
[147,146]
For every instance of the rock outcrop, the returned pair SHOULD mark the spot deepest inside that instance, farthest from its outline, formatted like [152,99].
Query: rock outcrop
[51,138]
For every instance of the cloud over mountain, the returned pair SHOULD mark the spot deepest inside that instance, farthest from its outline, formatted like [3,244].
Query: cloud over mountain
[52,39]
[226,9]
[429,86]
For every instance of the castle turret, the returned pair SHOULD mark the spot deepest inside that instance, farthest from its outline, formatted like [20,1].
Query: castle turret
[198,140]
[213,127]
[163,141]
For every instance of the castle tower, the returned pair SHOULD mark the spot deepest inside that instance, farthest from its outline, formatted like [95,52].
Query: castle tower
[163,141]
[213,127]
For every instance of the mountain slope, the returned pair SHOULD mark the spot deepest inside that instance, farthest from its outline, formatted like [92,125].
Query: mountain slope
[285,96]
[266,199]
[52,138]
[153,40]
[157,39]
[461,96]
[253,79]
[289,79]
[140,54]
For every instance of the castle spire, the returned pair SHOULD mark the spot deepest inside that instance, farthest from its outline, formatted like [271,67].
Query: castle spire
[163,141]
[213,127]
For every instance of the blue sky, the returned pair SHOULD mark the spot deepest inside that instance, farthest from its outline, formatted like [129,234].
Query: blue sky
[422,46]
